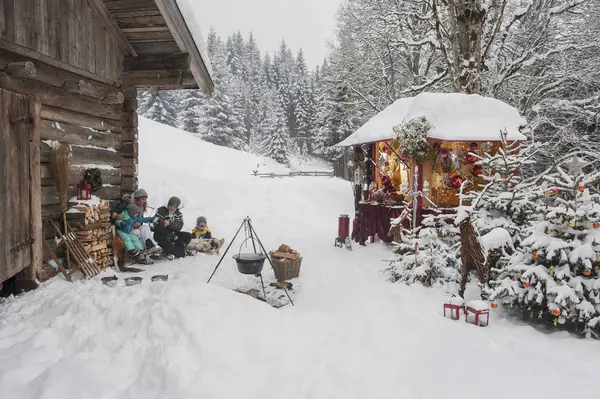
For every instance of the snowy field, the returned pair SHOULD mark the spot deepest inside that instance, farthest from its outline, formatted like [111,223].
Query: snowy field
[350,335]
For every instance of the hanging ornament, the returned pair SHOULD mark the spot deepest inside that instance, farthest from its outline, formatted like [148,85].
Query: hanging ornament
[562,320]
[597,225]
[587,272]
[576,165]
[556,312]
[526,284]
[494,305]
[581,188]
[555,191]
[387,163]
[473,146]
[536,256]
[540,315]
[597,256]
[469,158]
[551,271]
[477,170]
[571,224]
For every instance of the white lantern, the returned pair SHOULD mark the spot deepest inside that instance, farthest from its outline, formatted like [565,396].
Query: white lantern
[426,187]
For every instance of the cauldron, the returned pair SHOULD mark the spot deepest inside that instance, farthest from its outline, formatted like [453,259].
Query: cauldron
[250,263]
[129,281]
[110,281]
[160,277]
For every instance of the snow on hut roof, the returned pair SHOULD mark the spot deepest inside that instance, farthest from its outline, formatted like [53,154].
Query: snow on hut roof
[454,116]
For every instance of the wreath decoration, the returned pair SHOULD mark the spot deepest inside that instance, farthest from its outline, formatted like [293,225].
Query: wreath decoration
[93,177]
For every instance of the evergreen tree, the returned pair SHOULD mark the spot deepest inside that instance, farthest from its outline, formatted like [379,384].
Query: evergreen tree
[190,117]
[555,276]
[162,108]
[276,145]
[303,112]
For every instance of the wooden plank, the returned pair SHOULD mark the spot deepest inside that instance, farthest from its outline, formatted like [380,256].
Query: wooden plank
[26,52]
[144,28]
[162,79]
[35,190]
[115,5]
[73,134]
[111,26]
[156,48]
[170,62]
[149,36]
[84,155]
[87,15]
[120,15]
[5,182]
[53,12]
[140,21]
[8,31]
[185,41]
[60,98]
[75,118]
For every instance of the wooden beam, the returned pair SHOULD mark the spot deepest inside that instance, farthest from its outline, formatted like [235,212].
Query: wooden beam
[164,79]
[36,56]
[145,28]
[21,69]
[183,37]
[170,62]
[35,196]
[150,36]
[114,98]
[86,89]
[66,116]
[144,48]
[73,134]
[111,26]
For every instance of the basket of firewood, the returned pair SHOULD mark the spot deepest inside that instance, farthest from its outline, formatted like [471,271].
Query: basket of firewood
[286,263]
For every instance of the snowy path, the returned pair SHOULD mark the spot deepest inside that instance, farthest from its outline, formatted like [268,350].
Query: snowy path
[351,335]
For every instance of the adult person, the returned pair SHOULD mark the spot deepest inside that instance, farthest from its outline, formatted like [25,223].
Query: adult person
[143,231]
[168,223]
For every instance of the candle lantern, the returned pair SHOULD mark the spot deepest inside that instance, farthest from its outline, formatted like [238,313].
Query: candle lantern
[453,307]
[83,191]
[343,230]
[478,313]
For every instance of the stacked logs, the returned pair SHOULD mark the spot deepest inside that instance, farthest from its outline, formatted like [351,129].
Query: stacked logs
[93,229]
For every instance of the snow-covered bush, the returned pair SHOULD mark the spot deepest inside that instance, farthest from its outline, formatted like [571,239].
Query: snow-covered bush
[412,137]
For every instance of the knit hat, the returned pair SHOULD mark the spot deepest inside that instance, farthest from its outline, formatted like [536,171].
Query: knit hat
[174,201]
[132,209]
[201,219]
[141,193]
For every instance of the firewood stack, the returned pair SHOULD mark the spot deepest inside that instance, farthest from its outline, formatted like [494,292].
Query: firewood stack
[91,224]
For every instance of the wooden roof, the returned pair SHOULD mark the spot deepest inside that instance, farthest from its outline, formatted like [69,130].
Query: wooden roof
[158,44]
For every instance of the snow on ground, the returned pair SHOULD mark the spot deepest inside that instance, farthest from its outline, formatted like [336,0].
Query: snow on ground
[351,334]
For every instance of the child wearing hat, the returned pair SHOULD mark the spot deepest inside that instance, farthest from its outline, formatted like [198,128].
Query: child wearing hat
[202,240]
[130,216]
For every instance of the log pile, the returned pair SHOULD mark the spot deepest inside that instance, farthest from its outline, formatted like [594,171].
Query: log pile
[92,227]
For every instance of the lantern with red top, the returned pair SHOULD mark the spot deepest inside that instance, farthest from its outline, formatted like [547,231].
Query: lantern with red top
[83,191]
[343,230]
[453,307]
[477,312]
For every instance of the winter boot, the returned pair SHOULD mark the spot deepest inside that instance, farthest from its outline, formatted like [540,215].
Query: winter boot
[170,256]
[143,259]
[151,248]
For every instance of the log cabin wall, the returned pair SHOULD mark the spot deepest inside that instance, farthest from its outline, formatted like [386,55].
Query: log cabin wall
[81,103]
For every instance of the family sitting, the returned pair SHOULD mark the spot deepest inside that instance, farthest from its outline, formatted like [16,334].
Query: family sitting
[136,230]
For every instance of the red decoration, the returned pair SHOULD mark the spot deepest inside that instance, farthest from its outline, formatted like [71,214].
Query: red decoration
[403,158]
[387,163]
[526,284]
[456,181]
[556,312]
[597,225]
[478,317]
[473,146]
[555,191]
[494,305]
[384,150]
[587,272]
[581,188]
[470,158]
[477,170]
[536,256]
[445,154]
[83,191]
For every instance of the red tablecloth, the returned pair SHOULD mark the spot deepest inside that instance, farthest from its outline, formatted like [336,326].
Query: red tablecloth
[375,219]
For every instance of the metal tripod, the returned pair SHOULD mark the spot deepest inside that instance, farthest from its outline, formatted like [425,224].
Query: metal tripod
[248,223]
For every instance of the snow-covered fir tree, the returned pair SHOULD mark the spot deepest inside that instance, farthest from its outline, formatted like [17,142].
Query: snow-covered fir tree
[163,108]
[190,116]
[277,137]
[554,277]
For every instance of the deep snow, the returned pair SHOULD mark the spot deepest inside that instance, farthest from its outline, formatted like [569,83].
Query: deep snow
[351,334]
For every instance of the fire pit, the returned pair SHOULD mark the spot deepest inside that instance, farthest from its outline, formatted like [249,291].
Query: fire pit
[129,281]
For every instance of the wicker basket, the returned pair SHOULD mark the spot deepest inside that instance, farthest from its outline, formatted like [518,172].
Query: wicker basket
[286,269]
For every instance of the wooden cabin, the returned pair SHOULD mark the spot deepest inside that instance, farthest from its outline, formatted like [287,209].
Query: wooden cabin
[69,72]
[460,124]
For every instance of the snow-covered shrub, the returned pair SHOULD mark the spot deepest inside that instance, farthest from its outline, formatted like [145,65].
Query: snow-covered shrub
[412,137]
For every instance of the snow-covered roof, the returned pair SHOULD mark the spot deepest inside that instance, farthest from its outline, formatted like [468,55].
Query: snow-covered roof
[454,116]
[190,9]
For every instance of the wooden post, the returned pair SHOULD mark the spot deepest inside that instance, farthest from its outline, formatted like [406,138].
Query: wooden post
[129,145]
[35,191]
[21,69]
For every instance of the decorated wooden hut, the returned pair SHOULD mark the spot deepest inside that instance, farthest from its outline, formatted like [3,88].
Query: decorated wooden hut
[69,73]
[426,144]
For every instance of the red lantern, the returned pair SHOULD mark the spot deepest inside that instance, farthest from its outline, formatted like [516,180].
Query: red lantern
[83,191]
[478,313]
[453,307]
[477,170]
[473,146]
[343,227]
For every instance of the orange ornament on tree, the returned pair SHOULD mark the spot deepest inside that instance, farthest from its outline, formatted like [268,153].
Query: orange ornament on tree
[587,272]
[597,225]
[581,188]
[494,305]
[526,284]
[536,256]
[555,191]
[556,312]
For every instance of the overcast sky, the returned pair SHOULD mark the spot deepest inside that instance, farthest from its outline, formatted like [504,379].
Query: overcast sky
[307,24]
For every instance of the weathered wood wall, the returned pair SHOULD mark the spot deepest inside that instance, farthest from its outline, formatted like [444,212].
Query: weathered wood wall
[66,30]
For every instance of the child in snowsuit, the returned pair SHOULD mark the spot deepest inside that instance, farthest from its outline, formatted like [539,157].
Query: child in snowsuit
[202,240]
[168,223]
[125,225]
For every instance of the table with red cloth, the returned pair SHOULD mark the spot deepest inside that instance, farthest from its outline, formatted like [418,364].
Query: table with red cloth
[376,219]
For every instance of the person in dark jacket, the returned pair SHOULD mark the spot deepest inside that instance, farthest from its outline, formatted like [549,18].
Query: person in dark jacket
[168,223]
